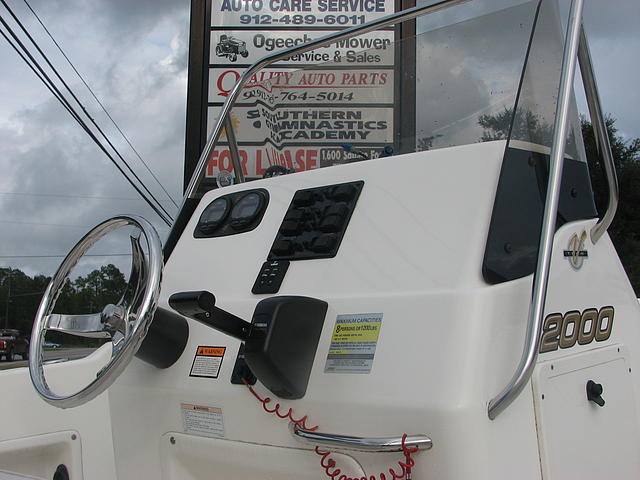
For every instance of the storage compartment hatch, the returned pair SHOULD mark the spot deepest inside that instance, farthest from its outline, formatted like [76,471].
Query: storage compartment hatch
[578,437]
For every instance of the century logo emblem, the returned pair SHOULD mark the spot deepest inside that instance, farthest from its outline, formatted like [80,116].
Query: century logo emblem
[576,252]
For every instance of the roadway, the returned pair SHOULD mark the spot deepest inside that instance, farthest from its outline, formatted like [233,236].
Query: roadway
[53,354]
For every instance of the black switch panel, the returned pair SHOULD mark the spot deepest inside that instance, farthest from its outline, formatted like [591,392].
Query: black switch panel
[270,276]
[315,223]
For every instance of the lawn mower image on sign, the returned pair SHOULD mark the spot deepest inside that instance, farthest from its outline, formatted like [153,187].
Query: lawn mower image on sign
[231,47]
[453,311]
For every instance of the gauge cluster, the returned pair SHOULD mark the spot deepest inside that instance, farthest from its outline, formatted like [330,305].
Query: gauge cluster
[232,214]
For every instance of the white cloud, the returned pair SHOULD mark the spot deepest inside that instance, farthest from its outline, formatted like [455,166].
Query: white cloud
[133,55]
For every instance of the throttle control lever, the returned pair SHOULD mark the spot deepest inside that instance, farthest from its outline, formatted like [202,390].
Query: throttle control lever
[201,306]
[280,342]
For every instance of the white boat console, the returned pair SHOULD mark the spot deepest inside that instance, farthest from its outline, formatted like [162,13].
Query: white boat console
[443,302]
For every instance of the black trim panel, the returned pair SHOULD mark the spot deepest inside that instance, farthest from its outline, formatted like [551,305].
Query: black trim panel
[514,233]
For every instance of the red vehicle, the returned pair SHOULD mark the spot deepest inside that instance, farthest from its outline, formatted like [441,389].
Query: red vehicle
[13,342]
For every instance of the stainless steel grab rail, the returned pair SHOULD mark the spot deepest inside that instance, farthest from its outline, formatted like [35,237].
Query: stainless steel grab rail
[265,61]
[362,444]
[601,136]
[541,277]
[233,147]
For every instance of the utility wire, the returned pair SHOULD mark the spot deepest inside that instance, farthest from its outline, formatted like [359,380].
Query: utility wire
[17,20]
[159,209]
[99,102]
[62,256]
[60,195]
[40,73]
[53,92]
[41,224]
[37,69]
[26,294]
[48,82]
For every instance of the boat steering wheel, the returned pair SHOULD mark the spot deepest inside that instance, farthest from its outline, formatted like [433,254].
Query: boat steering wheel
[125,323]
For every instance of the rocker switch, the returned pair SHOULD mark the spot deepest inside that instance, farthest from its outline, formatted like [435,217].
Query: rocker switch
[332,223]
[270,276]
[303,198]
[290,227]
[342,193]
[323,243]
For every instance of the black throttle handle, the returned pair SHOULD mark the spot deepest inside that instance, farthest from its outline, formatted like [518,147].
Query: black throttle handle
[201,306]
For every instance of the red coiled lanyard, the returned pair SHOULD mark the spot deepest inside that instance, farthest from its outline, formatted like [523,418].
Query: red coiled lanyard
[329,464]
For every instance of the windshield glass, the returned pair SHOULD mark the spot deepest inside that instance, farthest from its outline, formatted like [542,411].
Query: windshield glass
[393,91]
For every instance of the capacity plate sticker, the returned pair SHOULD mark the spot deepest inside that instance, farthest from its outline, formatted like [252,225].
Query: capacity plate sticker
[202,420]
[353,343]
[207,362]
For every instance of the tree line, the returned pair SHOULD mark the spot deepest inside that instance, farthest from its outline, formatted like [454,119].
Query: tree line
[20,295]
[625,229]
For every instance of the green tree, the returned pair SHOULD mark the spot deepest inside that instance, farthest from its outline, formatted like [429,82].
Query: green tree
[625,229]
[20,295]
[89,294]
[426,143]
[527,126]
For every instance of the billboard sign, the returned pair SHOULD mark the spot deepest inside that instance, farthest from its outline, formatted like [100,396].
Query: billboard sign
[303,111]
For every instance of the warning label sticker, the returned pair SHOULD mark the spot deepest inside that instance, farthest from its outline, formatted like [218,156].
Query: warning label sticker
[207,362]
[353,343]
[202,420]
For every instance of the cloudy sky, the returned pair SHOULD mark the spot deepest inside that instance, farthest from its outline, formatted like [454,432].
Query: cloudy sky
[56,184]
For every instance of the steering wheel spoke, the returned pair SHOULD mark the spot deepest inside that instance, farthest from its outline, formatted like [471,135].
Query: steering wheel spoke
[91,326]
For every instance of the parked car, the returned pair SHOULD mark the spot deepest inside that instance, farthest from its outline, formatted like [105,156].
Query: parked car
[51,345]
[12,342]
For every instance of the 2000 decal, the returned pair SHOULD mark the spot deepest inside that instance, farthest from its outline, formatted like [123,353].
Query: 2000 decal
[565,330]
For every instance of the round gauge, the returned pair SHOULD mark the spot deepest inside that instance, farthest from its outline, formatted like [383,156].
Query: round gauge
[214,215]
[246,210]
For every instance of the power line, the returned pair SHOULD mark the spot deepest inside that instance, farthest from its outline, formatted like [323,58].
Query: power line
[17,20]
[56,92]
[53,92]
[157,207]
[62,256]
[42,224]
[100,103]
[31,294]
[60,195]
